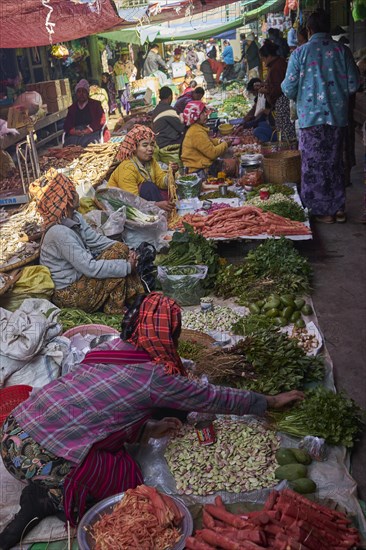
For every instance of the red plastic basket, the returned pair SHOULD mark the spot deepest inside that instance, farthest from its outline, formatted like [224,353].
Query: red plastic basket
[11,397]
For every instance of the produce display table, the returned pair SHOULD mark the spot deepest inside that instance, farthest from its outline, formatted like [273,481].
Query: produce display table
[49,121]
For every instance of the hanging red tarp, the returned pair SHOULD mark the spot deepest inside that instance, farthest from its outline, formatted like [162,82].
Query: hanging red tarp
[23,23]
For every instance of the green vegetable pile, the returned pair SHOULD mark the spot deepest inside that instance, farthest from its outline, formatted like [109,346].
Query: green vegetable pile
[236,106]
[190,350]
[278,362]
[190,248]
[281,205]
[217,195]
[132,213]
[332,416]
[272,189]
[70,318]
[273,267]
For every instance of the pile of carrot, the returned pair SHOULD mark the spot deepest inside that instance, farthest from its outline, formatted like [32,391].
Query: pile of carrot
[243,221]
[288,521]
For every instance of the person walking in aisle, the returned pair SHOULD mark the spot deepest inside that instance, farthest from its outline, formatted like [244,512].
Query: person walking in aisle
[320,77]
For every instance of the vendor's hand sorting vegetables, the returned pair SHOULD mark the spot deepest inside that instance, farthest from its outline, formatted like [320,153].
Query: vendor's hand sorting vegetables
[139,173]
[89,270]
[199,151]
[67,438]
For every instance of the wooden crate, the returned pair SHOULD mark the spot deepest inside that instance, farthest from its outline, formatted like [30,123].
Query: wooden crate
[56,94]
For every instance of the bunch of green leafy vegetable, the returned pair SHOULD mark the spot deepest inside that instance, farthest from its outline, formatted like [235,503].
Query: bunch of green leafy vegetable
[278,362]
[286,209]
[273,267]
[70,318]
[272,189]
[250,324]
[190,350]
[323,413]
[190,248]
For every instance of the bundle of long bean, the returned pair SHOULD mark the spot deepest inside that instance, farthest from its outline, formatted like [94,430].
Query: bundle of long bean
[173,216]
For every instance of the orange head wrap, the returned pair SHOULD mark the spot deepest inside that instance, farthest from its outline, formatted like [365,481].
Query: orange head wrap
[129,145]
[58,197]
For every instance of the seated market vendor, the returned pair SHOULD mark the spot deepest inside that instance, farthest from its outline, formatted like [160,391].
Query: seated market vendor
[261,120]
[85,119]
[89,270]
[167,127]
[74,428]
[139,173]
[199,150]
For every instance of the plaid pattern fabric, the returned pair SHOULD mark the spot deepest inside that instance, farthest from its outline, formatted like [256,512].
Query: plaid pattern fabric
[192,112]
[54,203]
[129,145]
[159,318]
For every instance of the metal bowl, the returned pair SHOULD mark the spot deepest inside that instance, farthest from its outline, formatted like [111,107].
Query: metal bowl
[86,541]
[102,339]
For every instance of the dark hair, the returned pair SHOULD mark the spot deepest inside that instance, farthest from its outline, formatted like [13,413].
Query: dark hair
[273,32]
[165,92]
[153,46]
[199,91]
[193,84]
[268,48]
[318,21]
[242,36]
[130,318]
[250,85]
[302,31]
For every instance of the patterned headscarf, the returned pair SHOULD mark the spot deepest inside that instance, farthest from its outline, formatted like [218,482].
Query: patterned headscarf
[158,320]
[59,195]
[129,145]
[192,112]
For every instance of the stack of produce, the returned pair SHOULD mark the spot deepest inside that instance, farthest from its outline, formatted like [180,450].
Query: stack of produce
[267,361]
[323,413]
[228,465]
[190,248]
[280,204]
[95,164]
[148,518]
[70,318]
[293,464]
[16,232]
[273,267]
[281,310]
[11,184]
[284,189]
[59,158]
[288,521]
[220,317]
[236,106]
[217,195]
[132,213]
[243,221]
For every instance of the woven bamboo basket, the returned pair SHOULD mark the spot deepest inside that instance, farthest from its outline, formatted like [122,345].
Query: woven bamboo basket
[197,337]
[9,267]
[282,167]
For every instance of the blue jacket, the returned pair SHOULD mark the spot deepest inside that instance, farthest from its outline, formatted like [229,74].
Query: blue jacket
[228,55]
[320,77]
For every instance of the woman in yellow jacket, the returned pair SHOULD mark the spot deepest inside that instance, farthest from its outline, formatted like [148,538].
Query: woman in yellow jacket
[199,151]
[139,173]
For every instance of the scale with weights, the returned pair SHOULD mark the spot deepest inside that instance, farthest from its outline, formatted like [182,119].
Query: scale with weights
[28,165]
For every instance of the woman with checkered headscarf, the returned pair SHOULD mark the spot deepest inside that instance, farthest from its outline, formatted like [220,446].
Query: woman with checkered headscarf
[139,173]
[122,392]
[89,271]
[199,150]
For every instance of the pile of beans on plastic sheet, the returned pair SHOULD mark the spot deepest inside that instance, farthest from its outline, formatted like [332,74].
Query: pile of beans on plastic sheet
[241,460]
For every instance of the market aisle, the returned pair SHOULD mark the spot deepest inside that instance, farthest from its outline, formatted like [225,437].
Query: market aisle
[338,256]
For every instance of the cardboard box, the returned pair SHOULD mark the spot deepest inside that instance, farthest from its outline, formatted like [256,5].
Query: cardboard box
[55,93]
[17,116]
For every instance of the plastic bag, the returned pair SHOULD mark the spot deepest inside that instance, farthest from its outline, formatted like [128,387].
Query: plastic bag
[261,104]
[107,223]
[189,187]
[136,232]
[34,282]
[183,283]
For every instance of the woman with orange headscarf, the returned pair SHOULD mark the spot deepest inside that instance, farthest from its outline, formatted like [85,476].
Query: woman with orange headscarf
[139,173]
[89,270]
[83,419]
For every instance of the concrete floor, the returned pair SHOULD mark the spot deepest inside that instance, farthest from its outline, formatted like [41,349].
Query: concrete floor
[337,254]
